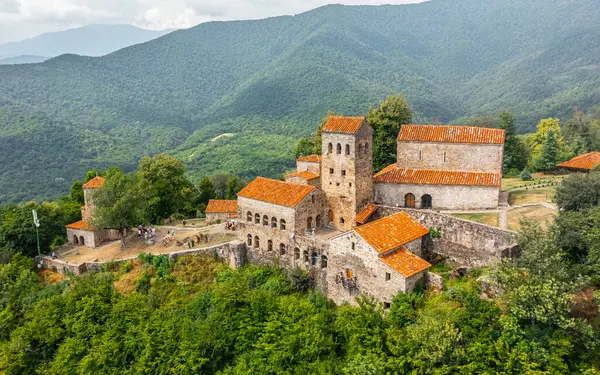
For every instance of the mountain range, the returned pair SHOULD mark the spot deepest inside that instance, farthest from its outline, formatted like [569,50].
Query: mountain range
[90,40]
[269,82]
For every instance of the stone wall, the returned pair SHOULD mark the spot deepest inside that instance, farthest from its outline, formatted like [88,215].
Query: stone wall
[465,242]
[444,197]
[459,156]
[316,182]
[303,166]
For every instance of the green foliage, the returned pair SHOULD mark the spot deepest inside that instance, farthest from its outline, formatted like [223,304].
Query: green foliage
[579,192]
[386,121]
[207,191]
[548,154]
[77,192]
[526,175]
[435,232]
[515,151]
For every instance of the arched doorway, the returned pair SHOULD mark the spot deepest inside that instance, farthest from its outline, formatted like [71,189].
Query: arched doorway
[426,201]
[409,200]
[75,240]
[81,241]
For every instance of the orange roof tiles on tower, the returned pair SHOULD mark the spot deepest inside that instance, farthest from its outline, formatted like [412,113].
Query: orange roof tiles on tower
[405,262]
[276,192]
[94,183]
[396,175]
[216,206]
[81,224]
[343,124]
[585,161]
[451,134]
[391,232]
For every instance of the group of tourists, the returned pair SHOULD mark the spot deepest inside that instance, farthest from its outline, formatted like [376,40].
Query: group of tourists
[230,224]
[148,233]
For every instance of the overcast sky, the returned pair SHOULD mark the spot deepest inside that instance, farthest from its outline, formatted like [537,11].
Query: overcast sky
[21,19]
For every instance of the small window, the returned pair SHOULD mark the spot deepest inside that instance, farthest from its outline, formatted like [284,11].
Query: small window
[314,259]
[330,148]
[350,184]
[353,246]
[266,221]
[269,245]
[347,149]
[339,149]
[342,221]
[444,156]
[296,253]
[386,305]
[249,216]
[330,170]
[282,224]
[281,249]
[388,276]
[318,222]
[309,225]
[249,243]
[274,222]
[343,172]
[323,261]
[420,154]
[367,147]
[306,256]
[312,198]
[257,219]
[337,184]
[256,242]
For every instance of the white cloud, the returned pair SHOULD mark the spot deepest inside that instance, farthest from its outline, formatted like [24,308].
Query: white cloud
[21,19]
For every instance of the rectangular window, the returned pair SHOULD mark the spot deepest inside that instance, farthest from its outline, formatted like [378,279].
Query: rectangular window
[444,156]
[420,154]
[353,245]
[388,276]
[330,170]
[343,172]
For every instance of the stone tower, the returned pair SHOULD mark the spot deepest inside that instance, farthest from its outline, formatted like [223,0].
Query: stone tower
[347,168]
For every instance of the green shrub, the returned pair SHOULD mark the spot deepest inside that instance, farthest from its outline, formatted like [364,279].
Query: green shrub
[435,232]
[526,175]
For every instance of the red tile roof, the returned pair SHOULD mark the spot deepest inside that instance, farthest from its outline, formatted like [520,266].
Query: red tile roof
[343,124]
[216,206]
[393,174]
[365,214]
[451,134]
[81,225]
[94,183]
[391,232]
[276,192]
[305,175]
[585,161]
[310,159]
[405,262]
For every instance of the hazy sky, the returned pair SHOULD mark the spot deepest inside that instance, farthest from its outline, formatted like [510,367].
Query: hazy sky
[20,19]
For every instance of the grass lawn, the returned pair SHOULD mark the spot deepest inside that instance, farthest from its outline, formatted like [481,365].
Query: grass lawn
[541,214]
[488,219]
[510,183]
[533,195]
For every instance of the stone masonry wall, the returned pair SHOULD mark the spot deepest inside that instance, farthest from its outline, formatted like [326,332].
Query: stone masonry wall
[447,197]
[465,242]
[302,166]
[459,156]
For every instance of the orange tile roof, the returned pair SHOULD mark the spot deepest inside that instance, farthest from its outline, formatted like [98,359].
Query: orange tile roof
[305,175]
[342,124]
[276,192]
[585,161]
[81,225]
[395,175]
[391,232]
[94,183]
[310,159]
[450,134]
[216,206]
[405,262]
[365,214]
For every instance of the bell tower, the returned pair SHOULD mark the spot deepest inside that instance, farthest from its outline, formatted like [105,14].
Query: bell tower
[346,168]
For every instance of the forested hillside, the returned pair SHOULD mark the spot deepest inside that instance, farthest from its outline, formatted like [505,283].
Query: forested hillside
[269,82]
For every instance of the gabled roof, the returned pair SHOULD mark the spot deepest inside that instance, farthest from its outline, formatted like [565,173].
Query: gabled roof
[585,161]
[450,134]
[216,206]
[305,175]
[365,214]
[276,192]
[343,124]
[391,232]
[81,225]
[395,175]
[310,159]
[94,183]
[405,262]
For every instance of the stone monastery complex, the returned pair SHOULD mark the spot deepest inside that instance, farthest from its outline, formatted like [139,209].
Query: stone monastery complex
[356,232]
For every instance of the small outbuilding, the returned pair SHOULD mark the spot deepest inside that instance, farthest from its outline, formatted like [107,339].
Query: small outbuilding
[220,209]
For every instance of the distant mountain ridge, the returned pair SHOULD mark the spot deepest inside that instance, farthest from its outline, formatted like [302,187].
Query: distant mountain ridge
[91,40]
[270,82]
[23,59]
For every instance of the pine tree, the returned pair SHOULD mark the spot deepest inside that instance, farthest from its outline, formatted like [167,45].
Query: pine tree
[549,153]
[207,190]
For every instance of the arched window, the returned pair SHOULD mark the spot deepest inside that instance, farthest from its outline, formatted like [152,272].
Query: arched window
[249,216]
[281,249]
[366,147]
[330,148]
[409,200]
[273,222]
[426,201]
[256,242]
[309,223]
[305,256]
[282,224]
[266,221]
[249,243]
[81,241]
[323,261]
[360,148]
[312,199]
[338,149]
[318,222]
[314,259]
[347,149]
[75,240]
[257,219]
[269,245]
[342,221]
[296,253]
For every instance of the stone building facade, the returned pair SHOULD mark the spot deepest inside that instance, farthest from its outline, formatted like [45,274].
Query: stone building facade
[81,232]
[221,210]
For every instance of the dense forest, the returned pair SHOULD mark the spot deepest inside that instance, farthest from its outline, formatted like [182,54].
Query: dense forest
[266,83]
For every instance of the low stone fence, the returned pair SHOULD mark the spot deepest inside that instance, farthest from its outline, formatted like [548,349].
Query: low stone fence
[465,242]
[233,253]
